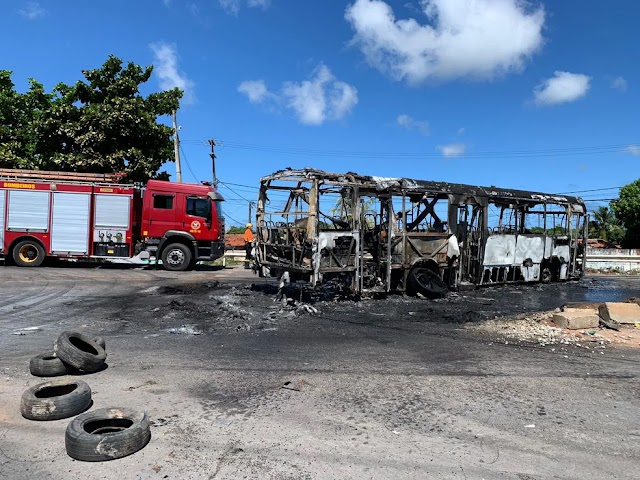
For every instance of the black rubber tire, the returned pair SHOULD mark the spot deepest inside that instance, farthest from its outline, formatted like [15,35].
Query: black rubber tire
[100,341]
[55,399]
[176,257]
[47,365]
[107,434]
[80,351]
[426,282]
[33,247]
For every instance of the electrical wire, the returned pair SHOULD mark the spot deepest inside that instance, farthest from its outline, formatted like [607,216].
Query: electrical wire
[184,155]
[521,153]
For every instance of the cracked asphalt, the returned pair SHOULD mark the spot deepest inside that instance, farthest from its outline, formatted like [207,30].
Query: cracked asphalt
[239,386]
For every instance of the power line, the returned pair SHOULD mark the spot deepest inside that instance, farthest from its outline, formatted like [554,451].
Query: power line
[188,166]
[232,190]
[587,150]
[593,190]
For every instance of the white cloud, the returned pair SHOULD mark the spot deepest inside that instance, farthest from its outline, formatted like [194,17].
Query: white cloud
[321,98]
[255,90]
[232,7]
[463,38]
[461,130]
[410,123]
[32,11]
[619,83]
[165,60]
[452,150]
[633,150]
[563,87]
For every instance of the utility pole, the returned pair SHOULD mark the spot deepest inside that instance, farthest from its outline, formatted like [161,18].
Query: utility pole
[176,148]
[212,142]
[251,204]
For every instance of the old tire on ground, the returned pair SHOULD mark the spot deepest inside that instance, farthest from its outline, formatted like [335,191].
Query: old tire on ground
[55,399]
[107,434]
[426,282]
[80,351]
[100,341]
[47,365]
[28,253]
[176,257]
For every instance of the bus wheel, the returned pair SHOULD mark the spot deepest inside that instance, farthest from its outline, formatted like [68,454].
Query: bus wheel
[28,253]
[176,257]
[427,283]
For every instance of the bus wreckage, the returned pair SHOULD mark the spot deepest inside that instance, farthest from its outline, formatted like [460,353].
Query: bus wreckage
[373,234]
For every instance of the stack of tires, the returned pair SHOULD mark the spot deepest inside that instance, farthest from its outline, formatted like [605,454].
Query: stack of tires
[95,436]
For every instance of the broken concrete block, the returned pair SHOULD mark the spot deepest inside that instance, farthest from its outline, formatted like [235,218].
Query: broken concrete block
[576,319]
[574,306]
[620,312]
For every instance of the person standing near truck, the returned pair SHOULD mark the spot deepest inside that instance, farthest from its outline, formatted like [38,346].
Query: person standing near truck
[248,245]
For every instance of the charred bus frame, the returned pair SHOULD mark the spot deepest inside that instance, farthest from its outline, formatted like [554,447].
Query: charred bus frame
[398,234]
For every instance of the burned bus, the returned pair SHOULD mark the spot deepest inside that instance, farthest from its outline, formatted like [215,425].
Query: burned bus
[374,234]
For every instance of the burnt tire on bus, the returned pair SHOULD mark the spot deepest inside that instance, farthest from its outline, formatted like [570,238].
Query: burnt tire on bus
[106,434]
[55,399]
[426,282]
[47,365]
[80,351]
[28,253]
[176,257]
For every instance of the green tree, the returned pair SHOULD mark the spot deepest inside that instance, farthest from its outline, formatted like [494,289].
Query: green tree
[236,230]
[627,210]
[102,124]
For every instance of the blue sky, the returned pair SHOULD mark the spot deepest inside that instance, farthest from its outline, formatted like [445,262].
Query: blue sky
[533,95]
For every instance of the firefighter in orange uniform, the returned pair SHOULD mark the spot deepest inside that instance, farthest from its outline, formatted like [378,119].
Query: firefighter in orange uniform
[248,245]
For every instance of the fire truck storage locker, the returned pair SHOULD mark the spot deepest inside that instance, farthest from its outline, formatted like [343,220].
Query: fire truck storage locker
[3,194]
[70,223]
[28,211]
[112,221]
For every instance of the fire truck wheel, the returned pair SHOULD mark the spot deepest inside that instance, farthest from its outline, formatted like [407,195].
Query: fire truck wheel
[28,253]
[55,399]
[176,257]
[106,434]
[47,365]
[80,352]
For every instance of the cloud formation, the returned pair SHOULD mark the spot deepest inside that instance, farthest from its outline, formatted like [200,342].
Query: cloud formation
[32,11]
[314,101]
[633,150]
[619,83]
[410,123]
[563,87]
[165,62]
[477,39]
[232,7]
[255,90]
[452,150]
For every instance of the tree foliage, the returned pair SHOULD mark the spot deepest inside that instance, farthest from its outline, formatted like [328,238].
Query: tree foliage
[606,226]
[627,209]
[102,124]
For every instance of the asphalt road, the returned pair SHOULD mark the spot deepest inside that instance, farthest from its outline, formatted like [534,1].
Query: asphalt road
[239,387]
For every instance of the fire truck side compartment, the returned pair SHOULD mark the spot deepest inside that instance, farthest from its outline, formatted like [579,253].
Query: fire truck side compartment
[28,211]
[70,223]
[2,211]
[112,214]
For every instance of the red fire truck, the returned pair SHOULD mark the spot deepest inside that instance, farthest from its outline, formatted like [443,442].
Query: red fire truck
[81,216]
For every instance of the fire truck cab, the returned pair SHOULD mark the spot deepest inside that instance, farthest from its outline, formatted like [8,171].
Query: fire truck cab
[82,216]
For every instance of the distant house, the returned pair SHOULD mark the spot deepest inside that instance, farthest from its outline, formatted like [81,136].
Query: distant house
[600,243]
[233,241]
